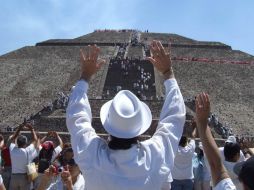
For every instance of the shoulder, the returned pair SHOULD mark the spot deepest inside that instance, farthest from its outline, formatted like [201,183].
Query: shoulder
[31,147]
[58,149]
[12,146]
[80,183]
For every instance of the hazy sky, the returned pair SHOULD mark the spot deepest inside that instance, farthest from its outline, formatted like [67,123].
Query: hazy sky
[26,22]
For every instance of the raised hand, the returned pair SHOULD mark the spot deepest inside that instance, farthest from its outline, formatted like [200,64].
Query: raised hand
[28,126]
[54,134]
[66,178]
[161,59]
[89,61]
[202,109]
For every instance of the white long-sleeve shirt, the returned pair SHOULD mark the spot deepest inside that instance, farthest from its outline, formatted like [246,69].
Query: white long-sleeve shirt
[144,166]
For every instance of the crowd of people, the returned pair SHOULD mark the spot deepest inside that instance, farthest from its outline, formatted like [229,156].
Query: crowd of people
[55,165]
[168,160]
[53,157]
[135,38]
[140,79]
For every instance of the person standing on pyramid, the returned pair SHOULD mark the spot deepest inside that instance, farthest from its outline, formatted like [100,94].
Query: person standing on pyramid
[124,162]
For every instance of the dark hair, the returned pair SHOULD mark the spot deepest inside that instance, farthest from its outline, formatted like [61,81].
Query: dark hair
[230,151]
[62,160]
[44,153]
[45,157]
[116,143]
[200,154]
[183,141]
[21,141]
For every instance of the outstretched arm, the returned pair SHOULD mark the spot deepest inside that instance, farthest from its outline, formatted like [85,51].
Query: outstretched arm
[78,113]
[57,136]
[13,137]
[210,148]
[172,117]
[34,136]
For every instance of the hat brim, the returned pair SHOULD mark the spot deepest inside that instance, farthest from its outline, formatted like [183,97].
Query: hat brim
[145,121]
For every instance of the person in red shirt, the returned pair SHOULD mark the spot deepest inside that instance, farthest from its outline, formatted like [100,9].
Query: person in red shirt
[6,162]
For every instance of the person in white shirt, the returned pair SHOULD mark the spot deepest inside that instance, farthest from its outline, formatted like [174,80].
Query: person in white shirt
[125,163]
[245,172]
[231,139]
[21,155]
[220,177]
[182,172]
[231,157]
[65,176]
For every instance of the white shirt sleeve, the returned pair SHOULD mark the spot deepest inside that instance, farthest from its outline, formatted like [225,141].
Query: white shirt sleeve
[84,140]
[225,184]
[170,126]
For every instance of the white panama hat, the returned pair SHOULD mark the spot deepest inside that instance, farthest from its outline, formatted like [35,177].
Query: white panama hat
[125,116]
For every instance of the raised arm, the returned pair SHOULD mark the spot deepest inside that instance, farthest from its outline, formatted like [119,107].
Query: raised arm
[79,107]
[78,113]
[172,117]
[34,136]
[161,60]
[13,137]
[1,142]
[218,170]
[57,136]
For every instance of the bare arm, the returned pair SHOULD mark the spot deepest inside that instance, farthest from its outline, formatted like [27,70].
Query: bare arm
[194,133]
[34,136]
[46,178]
[56,135]
[210,147]
[13,137]
[1,142]
[2,187]
[43,139]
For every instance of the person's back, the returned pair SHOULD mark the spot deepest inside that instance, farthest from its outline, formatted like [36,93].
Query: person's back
[232,156]
[20,158]
[21,155]
[182,172]
[128,169]
[145,165]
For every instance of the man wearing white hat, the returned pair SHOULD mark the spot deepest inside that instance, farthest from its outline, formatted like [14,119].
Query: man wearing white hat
[128,164]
